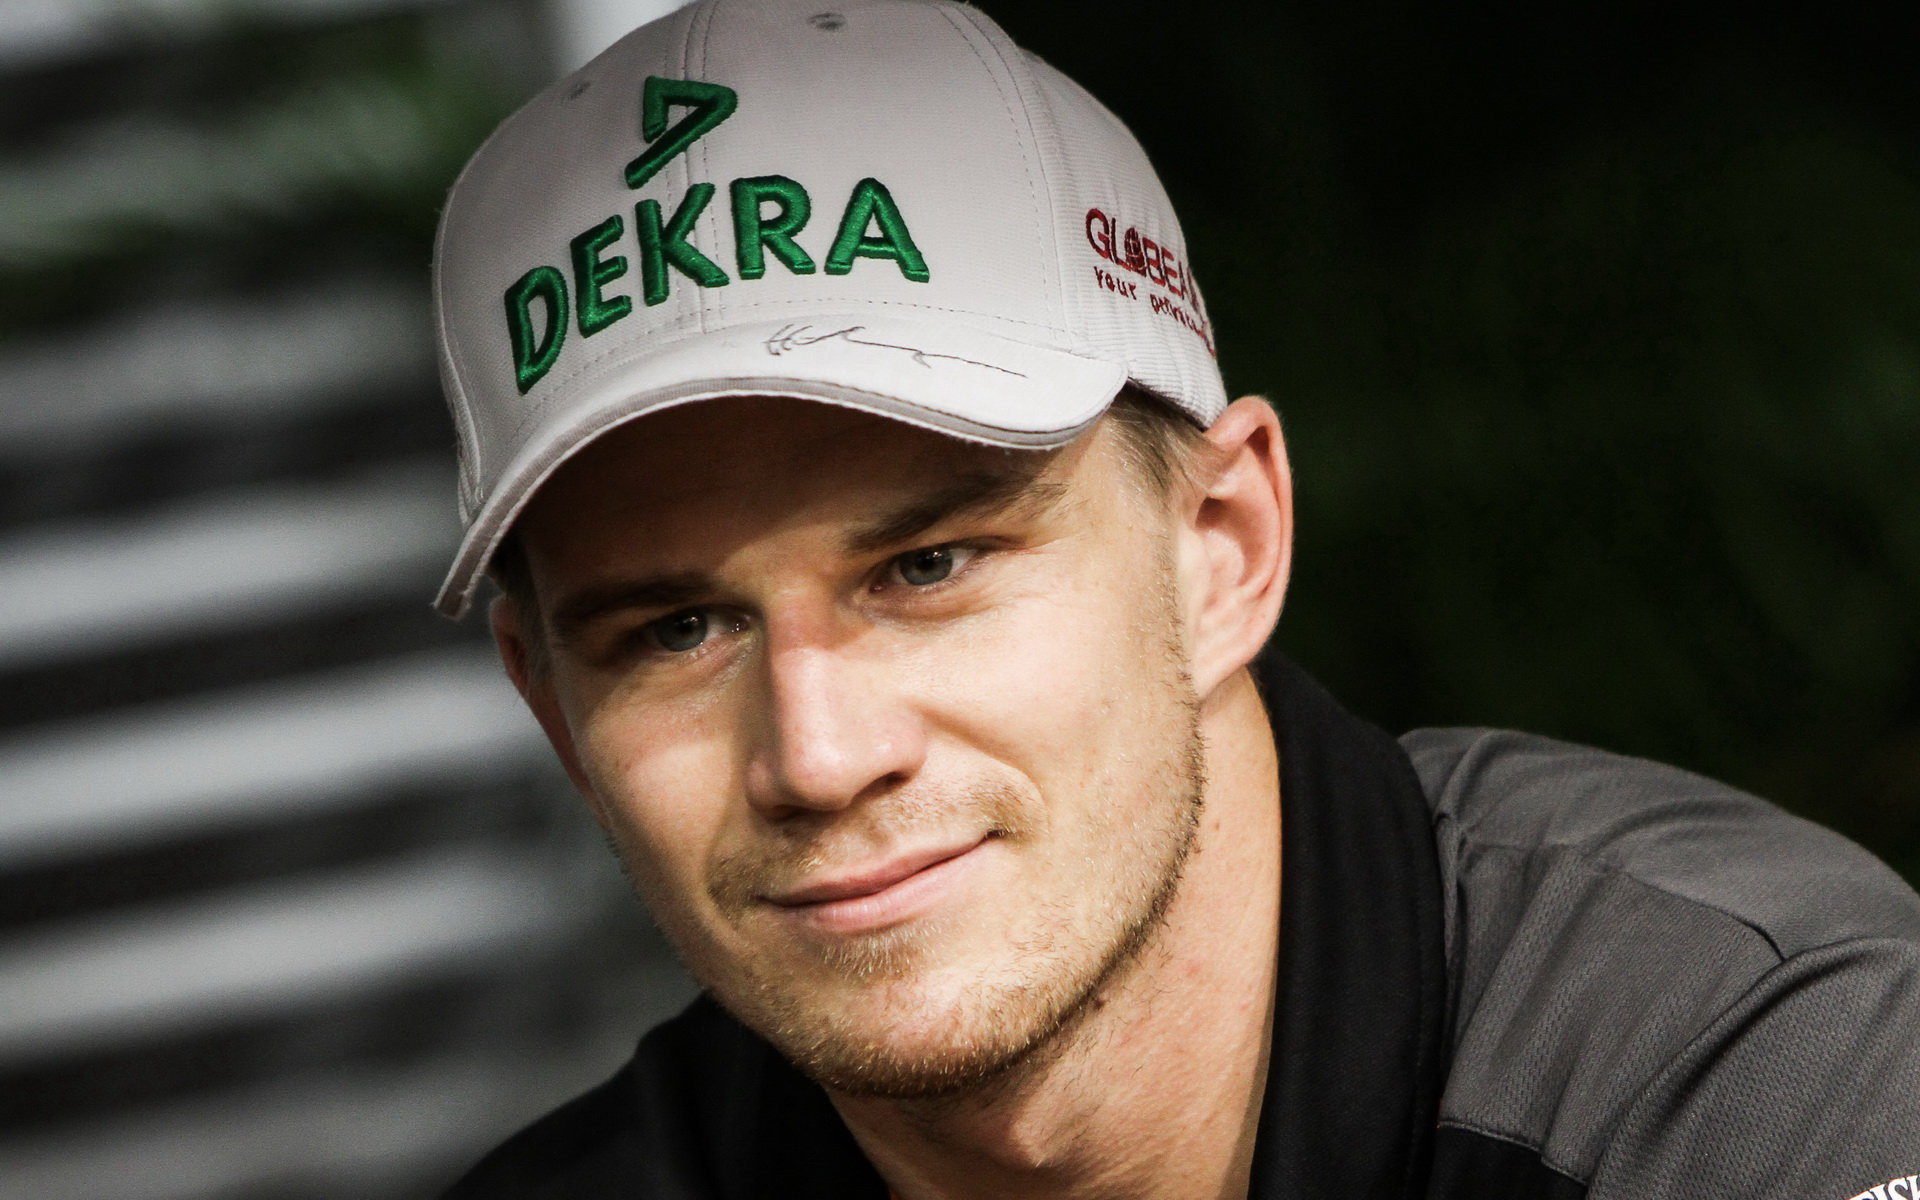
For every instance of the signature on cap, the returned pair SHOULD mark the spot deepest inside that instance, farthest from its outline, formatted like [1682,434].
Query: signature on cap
[789,338]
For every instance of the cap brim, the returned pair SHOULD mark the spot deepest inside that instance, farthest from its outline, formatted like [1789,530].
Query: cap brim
[959,381]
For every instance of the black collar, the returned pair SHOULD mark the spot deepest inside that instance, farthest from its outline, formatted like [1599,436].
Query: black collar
[1358,1059]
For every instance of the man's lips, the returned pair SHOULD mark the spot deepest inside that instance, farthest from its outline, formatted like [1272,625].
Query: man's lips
[869,879]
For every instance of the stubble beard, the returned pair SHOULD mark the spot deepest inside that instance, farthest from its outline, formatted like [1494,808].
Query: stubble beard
[1047,983]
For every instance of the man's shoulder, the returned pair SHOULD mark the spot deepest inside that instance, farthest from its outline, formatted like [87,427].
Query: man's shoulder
[1655,976]
[634,1127]
[1523,798]
[704,1109]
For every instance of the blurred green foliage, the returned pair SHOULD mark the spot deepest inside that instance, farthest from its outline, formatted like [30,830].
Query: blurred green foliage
[269,148]
[1596,335]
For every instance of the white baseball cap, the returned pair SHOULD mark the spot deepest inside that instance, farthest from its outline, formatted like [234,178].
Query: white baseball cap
[886,205]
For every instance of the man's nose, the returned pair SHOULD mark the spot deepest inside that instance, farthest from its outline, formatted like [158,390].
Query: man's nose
[836,726]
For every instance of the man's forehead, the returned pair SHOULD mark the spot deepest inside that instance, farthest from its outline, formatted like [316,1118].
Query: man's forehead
[751,462]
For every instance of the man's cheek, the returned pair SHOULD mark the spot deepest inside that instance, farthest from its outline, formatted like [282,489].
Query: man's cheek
[645,757]
[659,802]
[1048,641]
[668,872]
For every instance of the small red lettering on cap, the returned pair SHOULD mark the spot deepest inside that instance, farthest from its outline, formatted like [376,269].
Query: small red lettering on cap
[1135,252]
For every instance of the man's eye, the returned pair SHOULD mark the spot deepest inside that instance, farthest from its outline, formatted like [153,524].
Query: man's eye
[677,633]
[930,564]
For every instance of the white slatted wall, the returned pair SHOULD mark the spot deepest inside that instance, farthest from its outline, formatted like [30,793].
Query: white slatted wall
[293,903]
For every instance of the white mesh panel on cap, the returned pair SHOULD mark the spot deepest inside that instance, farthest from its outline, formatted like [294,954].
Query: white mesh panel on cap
[1151,319]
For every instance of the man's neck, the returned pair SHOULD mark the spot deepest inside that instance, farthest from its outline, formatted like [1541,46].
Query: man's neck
[1154,1093]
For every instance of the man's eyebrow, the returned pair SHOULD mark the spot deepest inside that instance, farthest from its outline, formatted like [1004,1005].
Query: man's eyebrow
[978,493]
[972,494]
[653,591]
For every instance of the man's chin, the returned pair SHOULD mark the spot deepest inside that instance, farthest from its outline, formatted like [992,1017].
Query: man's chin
[908,1048]
[906,1032]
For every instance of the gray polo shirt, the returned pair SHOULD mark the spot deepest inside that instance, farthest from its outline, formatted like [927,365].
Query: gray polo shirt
[1661,988]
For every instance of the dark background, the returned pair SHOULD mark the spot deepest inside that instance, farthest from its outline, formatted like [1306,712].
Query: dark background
[1595,330]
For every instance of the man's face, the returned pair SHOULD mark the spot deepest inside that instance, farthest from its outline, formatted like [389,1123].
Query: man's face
[893,732]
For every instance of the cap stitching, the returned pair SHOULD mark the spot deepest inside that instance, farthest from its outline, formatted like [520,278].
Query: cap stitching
[704,32]
[1028,143]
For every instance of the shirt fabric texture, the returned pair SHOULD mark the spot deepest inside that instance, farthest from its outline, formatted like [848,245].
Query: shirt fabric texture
[1508,968]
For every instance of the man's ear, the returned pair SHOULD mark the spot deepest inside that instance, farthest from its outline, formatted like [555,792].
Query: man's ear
[533,680]
[1237,544]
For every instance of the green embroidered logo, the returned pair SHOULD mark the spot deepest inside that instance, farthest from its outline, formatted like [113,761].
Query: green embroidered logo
[597,311]
[870,203]
[664,244]
[534,354]
[710,102]
[769,213]
[754,234]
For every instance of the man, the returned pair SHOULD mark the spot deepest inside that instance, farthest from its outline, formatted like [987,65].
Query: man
[839,417]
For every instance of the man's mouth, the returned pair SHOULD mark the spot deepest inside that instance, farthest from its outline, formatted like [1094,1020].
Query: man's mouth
[879,893]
